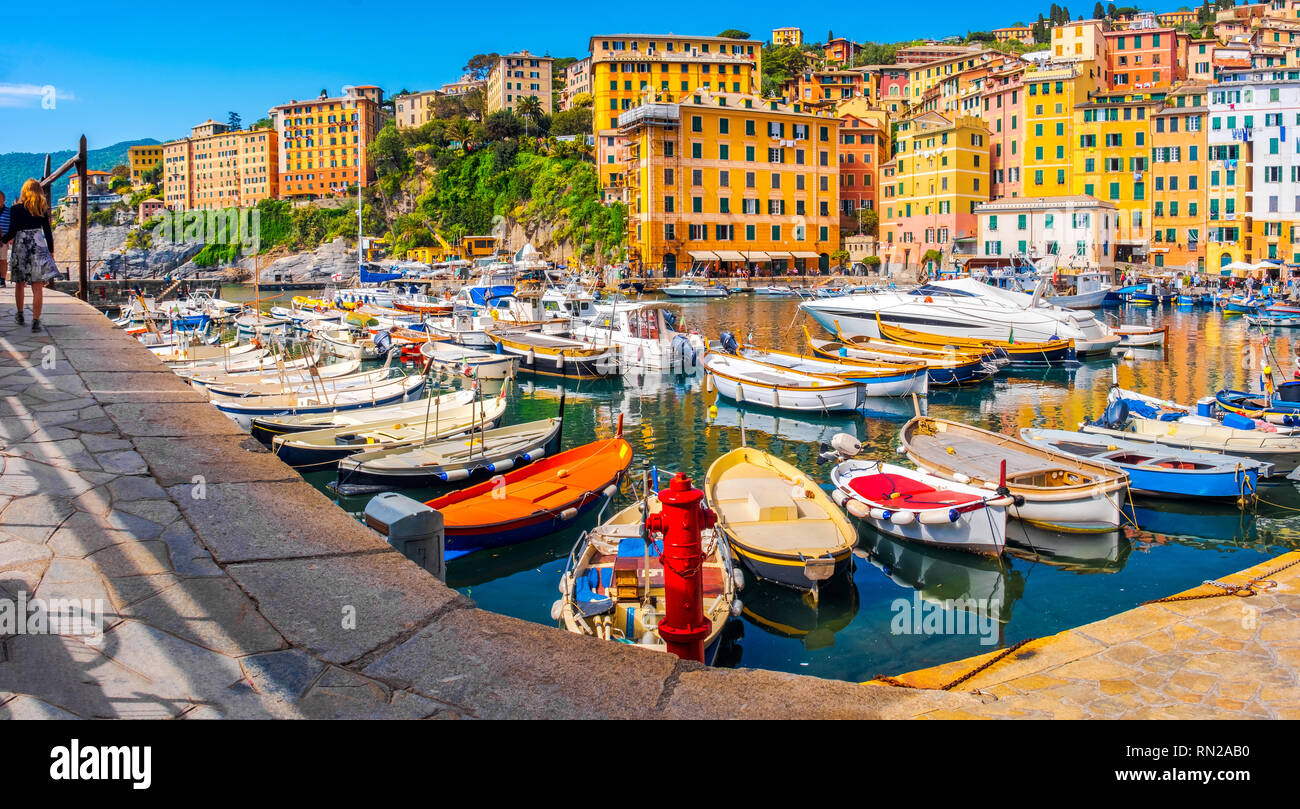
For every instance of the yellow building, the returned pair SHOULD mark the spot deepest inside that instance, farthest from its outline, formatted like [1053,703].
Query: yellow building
[1017,33]
[140,159]
[1050,95]
[1178,161]
[412,110]
[517,76]
[787,36]
[729,180]
[1082,41]
[940,172]
[1112,162]
[629,69]
[218,168]
[323,141]
[923,77]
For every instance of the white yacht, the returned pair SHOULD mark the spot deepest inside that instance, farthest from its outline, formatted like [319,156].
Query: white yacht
[691,287]
[963,307]
[646,336]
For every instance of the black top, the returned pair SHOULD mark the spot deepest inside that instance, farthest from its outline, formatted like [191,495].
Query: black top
[22,219]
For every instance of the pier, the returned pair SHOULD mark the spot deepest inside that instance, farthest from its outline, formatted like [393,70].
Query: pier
[232,588]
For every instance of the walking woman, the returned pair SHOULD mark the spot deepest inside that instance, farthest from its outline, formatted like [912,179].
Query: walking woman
[31,260]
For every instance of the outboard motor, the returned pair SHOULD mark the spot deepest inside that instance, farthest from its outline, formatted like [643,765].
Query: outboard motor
[1115,417]
[728,342]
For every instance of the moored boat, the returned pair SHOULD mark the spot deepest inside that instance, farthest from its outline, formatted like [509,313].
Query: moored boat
[746,381]
[264,428]
[778,522]
[1280,449]
[1059,491]
[876,378]
[461,360]
[553,355]
[1132,335]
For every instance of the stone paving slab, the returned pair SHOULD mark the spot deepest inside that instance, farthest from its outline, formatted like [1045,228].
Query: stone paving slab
[247,594]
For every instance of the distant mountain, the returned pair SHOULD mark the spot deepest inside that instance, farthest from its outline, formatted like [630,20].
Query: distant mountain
[16,167]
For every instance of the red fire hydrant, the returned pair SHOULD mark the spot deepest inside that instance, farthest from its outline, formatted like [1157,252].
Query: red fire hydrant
[681,520]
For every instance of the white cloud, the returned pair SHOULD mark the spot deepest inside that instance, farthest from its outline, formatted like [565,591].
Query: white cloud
[30,95]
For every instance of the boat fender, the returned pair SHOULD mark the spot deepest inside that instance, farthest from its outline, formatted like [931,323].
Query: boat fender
[902,518]
[931,517]
[738,578]
[960,478]
[529,457]
[737,607]
[568,514]
[838,497]
[557,609]
[859,510]
[880,514]
[611,490]
[501,466]
[846,445]
[1000,502]
[453,474]
[566,583]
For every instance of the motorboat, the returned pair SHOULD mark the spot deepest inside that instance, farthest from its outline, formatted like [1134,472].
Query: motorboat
[692,288]
[645,335]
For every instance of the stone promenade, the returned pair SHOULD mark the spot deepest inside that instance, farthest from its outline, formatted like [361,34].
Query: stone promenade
[231,588]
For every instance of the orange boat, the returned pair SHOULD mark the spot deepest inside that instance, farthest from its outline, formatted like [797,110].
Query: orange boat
[532,501]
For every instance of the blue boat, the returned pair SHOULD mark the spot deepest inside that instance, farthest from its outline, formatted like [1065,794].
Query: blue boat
[370,277]
[1122,294]
[1157,470]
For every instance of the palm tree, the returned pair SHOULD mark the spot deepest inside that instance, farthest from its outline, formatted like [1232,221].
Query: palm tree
[530,109]
[462,131]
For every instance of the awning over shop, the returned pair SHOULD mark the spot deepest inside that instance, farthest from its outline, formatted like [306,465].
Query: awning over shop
[805,254]
[779,254]
[704,255]
[757,255]
[730,255]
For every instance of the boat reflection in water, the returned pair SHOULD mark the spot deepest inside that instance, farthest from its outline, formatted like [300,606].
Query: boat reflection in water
[804,427]
[789,613]
[1260,527]
[943,576]
[1103,552]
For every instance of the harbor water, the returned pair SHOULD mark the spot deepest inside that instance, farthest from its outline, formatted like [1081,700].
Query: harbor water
[870,623]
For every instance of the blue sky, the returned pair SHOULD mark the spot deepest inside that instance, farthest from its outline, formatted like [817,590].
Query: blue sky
[155,69]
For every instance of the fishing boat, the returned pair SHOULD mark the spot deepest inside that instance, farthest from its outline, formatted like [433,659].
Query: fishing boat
[348,343]
[535,500]
[613,584]
[318,449]
[691,288]
[1059,491]
[645,335]
[943,368]
[1282,450]
[778,521]
[254,322]
[918,507]
[1158,470]
[244,409]
[477,364]
[1015,351]
[1132,335]
[1274,321]
[876,379]
[553,355]
[746,381]
[265,428]
[287,376]
[453,460]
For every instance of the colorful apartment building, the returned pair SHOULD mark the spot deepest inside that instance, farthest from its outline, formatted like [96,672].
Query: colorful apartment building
[1051,94]
[1082,41]
[1141,60]
[1200,59]
[939,173]
[1002,107]
[1080,230]
[1174,19]
[412,110]
[1112,160]
[322,144]
[1014,33]
[1178,180]
[826,88]
[888,85]
[932,51]
[216,167]
[577,81]
[1254,167]
[787,36]
[730,181]
[516,76]
[140,159]
[923,77]
[98,181]
[864,148]
[630,69]
[841,51]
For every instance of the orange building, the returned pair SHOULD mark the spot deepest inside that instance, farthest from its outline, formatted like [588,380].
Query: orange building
[1143,59]
[218,168]
[1178,172]
[864,148]
[826,87]
[841,50]
[323,143]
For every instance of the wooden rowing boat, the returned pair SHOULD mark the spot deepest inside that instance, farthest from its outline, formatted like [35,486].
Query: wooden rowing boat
[777,520]
[1050,351]
[237,387]
[1059,491]
[1132,335]
[533,501]
[331,371]
[943,368]
[1281,450]
[265,428]
[389,391]
[553,355]
[748,381]
[876,379]
[613,585]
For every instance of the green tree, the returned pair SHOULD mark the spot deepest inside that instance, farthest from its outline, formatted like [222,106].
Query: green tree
[262,123]
[387,152]
[868,221]
[233,121]
[876,53]
[1098,11]
[1110,10]
[840,257]
[529,108]
[153,174]
[480,65]
[575,121]
[502,125]
[734,33]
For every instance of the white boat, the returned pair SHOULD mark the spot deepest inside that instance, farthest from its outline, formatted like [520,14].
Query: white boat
[777,291]
[348,343]
[746,381]
[256,322]
[1059,491]
[645,334]
[965,308]
[691,288]
[391,391]
[1132,335]
[462,360]
[876,379]
[265,428]
[920,507]
[204,378]
[238,387]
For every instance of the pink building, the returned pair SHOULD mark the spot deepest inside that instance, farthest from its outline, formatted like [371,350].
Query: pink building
[1003,109]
